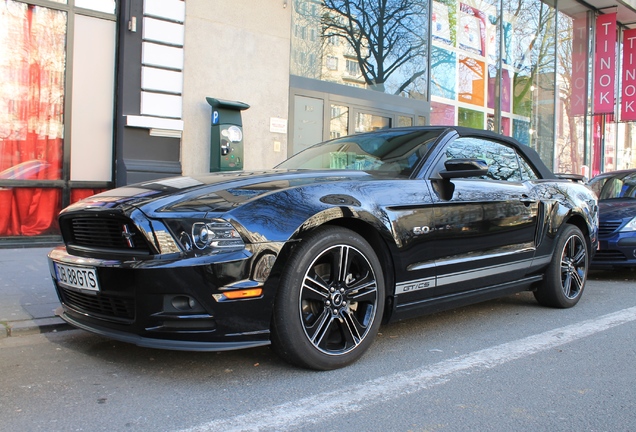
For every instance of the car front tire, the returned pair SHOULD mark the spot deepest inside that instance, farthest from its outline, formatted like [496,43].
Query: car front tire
[330,301]
[566,275]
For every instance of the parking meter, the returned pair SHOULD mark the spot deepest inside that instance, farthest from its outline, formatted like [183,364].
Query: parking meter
[226,142]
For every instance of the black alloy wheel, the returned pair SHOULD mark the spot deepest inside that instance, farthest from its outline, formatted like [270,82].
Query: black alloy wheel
[566,275]
[328,309]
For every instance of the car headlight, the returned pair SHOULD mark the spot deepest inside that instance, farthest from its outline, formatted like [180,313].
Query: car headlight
[215,235]
[630,226]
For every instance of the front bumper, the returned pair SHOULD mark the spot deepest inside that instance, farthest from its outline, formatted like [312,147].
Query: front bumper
[169,303]
[618,250]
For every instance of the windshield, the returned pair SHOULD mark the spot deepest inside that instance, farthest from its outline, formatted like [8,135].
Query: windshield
[393,152]
[614,186]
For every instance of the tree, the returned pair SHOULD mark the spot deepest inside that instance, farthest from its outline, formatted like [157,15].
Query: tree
[388,38]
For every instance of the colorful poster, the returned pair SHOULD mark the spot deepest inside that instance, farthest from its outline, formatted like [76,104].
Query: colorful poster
[443,73]
[493,42]
[605,65]
[505,88]
[472,30]
[628,90]
[442,114]
[472,79]
[578,91]
[440,23]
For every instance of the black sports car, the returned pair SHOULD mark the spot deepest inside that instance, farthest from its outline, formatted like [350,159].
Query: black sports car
[313,255]
[617,218]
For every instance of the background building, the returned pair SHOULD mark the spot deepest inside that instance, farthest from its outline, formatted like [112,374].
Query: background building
[100,93]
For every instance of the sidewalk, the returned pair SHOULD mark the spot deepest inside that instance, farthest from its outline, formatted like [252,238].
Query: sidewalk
[27,296]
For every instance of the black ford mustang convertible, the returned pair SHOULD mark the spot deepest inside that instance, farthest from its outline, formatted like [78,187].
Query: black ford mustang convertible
[313,255]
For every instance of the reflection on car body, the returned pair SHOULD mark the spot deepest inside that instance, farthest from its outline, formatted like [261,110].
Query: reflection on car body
[313,255]
[616,192]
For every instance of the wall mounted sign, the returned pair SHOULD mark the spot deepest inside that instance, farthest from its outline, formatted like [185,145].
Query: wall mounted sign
[578,101]
[628,92]
[605,65]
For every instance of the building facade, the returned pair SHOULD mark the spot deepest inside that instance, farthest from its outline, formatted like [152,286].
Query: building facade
[100,93]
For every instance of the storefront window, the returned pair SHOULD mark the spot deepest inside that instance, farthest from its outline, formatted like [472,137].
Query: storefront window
[339,123]
[442,114]
[464,58]
[532,56]
[443,73]
[470,118]
[404,121]
[572,69]
[344,35]
[38,157]
[523,71]
[366,122]
[32,63]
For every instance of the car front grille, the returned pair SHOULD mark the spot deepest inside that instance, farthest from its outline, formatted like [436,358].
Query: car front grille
[609,255]
[608,227]
[117,308]
[114,233]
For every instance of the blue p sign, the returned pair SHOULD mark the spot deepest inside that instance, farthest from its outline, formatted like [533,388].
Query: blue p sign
[215,117]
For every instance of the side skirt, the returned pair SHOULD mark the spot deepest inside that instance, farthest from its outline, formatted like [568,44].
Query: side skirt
[439,304]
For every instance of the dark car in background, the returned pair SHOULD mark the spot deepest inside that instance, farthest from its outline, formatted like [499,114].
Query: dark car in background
[616,192]
[312,256]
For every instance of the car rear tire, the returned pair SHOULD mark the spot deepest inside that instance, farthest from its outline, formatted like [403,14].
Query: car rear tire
[330,301]
[566,275]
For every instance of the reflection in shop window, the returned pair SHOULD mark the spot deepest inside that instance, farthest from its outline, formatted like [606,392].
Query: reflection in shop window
[332,63]
[442,114]
[312,61]
[32,53]
[353,68]
[444,21]
[392,61]
[472,81]
[443,73]
[339,123]
[534,41]
[470,118]
[370,122]
[572,67]
[404,121]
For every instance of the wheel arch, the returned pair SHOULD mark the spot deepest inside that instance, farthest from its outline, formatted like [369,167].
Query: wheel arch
[579,221]
[379,241]
[382,250]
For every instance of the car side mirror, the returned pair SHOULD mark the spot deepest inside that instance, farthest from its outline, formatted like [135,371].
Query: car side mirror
[463,168]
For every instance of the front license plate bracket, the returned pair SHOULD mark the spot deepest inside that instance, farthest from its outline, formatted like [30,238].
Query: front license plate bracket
[81,278]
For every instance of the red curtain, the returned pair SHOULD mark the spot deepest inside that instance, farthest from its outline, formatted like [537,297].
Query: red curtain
[32,53]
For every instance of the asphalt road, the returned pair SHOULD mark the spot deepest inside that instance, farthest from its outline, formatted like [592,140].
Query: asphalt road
[505,365]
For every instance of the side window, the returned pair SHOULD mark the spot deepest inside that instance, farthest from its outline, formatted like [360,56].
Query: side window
[503,162]
[527,171]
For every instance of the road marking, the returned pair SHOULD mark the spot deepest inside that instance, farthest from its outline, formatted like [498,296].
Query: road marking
[320,407]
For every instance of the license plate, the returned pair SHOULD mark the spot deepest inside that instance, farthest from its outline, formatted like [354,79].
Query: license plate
[77,277]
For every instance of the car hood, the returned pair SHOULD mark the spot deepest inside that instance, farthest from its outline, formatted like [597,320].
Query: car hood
[208,193]
[617,209]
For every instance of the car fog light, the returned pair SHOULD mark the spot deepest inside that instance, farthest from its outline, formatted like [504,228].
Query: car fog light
[183,303]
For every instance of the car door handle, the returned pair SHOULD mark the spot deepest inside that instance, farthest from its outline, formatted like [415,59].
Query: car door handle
[526,200]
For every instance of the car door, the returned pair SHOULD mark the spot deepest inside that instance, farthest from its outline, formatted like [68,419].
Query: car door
[485,227]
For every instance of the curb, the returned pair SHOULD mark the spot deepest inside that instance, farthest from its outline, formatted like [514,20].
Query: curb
[35,326]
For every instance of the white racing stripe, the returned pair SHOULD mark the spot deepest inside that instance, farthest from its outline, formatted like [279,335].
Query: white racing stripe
[320,407]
